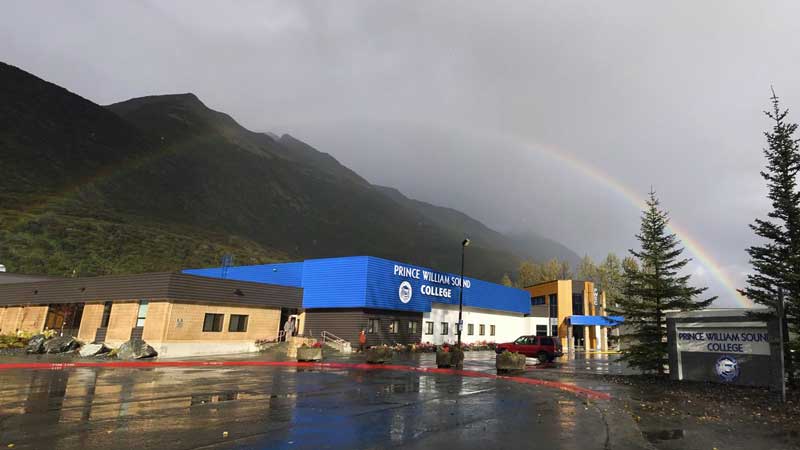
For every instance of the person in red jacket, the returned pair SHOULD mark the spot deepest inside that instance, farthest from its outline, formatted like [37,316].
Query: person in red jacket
[362,340]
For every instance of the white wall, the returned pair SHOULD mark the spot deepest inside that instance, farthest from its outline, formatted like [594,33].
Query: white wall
[508,325]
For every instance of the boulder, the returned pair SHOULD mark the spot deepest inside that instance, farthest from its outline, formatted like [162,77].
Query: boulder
[36,344]
[379,355]
[309,353]
[136,349]
[93,350]
[62,344]
[510,362]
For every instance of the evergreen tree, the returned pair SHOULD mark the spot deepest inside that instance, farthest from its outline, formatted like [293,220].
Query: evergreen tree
[609,277]
[656,286]
[776,263]
[587,270]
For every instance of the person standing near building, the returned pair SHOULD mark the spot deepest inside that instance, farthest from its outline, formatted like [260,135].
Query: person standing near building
[288,329]
[362,340]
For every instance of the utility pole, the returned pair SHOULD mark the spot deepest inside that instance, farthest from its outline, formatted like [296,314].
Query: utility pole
[460,324]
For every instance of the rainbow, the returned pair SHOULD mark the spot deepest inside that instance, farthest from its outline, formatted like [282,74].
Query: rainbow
[693,245]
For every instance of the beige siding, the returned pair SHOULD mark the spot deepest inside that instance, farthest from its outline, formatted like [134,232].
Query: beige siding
[156,322]
[121,321]
[10,322]
[186,323]
[33,318]
[90,321]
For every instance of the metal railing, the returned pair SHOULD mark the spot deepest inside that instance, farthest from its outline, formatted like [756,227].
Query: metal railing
[335,342]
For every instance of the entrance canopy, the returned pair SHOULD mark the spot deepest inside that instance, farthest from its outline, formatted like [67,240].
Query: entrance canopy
[603,321]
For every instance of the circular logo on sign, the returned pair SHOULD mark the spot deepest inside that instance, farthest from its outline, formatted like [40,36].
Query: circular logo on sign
[404,292]
[727,368]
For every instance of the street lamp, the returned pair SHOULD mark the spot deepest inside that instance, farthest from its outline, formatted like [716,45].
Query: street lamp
[460,325]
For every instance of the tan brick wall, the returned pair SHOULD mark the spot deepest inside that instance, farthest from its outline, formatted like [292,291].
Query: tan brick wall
[2,314]
[33,318]
[186,323]
[90,321]
[10,321]
[121,321]
[156,322]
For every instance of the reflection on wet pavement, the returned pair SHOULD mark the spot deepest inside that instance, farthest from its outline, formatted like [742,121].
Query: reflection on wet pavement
[270,407]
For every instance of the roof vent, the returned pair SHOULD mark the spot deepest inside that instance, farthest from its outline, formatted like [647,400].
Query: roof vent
[238,292]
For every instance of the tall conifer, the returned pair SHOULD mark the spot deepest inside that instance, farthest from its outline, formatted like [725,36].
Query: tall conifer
[776,263]
[655,286]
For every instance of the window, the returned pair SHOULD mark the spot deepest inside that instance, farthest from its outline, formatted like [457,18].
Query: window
[445,328]
[143,305]
[553,300]
[413,327]
[555,331]
[491,330]
[238,323]
[481,329]
[577,304]
[541,330]
[394,326]
[373,325]
[470,329]
[106,315]
[540,300]
[213,322]
[428,327]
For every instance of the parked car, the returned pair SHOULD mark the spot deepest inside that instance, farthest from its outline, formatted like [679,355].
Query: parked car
[545,348]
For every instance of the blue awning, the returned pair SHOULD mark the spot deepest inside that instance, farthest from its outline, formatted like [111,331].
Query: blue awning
[603,321]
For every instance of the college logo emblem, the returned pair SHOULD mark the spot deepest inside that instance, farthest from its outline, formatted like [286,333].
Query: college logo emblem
[404,292]
[727,368]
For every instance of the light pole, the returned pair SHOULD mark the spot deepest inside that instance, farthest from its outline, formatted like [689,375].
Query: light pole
[460,325]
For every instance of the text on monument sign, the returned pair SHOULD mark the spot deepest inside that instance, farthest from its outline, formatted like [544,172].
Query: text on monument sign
[747,341]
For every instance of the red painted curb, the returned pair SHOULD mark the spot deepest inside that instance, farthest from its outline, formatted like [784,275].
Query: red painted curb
[311,365]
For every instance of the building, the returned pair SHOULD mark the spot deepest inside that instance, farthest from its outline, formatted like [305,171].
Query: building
[576,312]
[178,314]
[393,302]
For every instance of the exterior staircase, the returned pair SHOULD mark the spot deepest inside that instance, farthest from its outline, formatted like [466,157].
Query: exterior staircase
[336,342]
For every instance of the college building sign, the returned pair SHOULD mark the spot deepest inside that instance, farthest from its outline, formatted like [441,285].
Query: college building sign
[722,345]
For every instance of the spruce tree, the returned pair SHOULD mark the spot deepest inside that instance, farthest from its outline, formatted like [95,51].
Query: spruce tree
[776,263]
[652,288]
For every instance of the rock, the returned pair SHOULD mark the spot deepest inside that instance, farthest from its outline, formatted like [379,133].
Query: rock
[93,350]
[136,349]
[510,362]
[36,344]
[61,344]
[379,355]
[309,354]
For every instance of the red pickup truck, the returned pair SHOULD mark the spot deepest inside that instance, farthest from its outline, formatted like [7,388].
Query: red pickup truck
[545,348]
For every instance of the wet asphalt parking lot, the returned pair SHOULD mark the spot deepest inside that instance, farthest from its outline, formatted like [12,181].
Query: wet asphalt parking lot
[291,408]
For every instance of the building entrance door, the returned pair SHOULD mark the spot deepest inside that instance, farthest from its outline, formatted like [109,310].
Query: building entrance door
[65,318]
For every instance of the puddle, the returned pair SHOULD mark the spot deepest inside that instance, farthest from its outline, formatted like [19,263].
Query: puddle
[202,399]
[662,435]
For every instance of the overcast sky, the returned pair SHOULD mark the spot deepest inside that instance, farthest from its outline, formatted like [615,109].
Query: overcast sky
[480,106]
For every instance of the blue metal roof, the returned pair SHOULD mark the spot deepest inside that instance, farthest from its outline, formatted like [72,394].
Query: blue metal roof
[284,274]
[604,321]
[369,282]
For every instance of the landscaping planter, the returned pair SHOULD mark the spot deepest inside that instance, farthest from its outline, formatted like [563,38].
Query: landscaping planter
[510,362]
[450,359]
[379,355]
[309,353]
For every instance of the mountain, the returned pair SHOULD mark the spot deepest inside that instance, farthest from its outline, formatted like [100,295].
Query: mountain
[164,182]
[529,246]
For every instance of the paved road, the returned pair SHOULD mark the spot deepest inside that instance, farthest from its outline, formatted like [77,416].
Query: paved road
[283,408]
